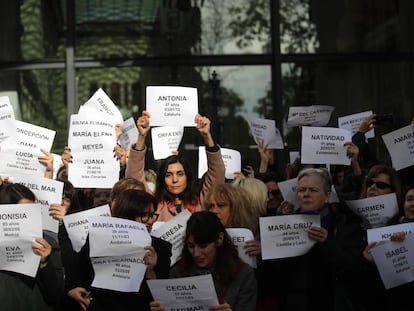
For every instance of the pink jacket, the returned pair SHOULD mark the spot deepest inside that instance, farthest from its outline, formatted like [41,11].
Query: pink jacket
[215,175]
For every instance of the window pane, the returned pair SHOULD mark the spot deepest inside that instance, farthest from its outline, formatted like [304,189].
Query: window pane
[350,88]
[32,30]
[346,26]
[107,29]
[39,97]
[239,92]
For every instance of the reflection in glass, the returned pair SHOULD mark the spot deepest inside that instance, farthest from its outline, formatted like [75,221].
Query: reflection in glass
[350,88]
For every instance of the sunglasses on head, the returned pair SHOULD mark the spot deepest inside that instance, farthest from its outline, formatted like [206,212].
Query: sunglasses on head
[379,184]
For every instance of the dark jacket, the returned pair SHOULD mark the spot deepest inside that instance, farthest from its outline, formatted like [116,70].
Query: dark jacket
[312,281]
[80,273]
[41,293]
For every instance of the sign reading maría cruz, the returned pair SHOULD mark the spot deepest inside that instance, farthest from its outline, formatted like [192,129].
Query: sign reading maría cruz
[286,236]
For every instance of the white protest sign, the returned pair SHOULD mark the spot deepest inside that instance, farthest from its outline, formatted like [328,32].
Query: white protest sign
[99,172]
[324,145]
[17,255]
[353,121]
[395,261]
[375,211]
[385,233]
[92,140]
[400,145]
[286,236]
[165,139]
[120,273]
[47,191]
[288,190]
[20,160]
[112,236]
[129,133]
[57,163]
[77,224]
[101,102]
[8,129]
[231,159]
[239,237]
[317,115]
[21,224]
[293,156]
[173,231]
[190,293]
[172,105]
[21,220]
[34,137]
[91,134]
[265,130]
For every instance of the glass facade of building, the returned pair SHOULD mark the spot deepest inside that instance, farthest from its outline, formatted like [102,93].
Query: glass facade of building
[247,58]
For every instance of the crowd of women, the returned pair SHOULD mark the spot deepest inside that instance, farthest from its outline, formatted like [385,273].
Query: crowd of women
[338,273]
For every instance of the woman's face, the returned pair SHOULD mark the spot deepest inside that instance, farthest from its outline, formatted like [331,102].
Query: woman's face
[175,179]
[221,207]
[310,193]
[204,255]
[378,185]
[409,204]
[148,217]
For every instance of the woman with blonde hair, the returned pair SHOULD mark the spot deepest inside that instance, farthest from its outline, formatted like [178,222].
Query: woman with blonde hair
[257,190]
[233,206]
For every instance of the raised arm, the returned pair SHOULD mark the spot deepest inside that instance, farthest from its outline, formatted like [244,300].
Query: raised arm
[215,165]
[136,162]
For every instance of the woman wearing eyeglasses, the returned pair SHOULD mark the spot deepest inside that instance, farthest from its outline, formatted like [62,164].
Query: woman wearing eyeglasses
[380,180]
[139,206]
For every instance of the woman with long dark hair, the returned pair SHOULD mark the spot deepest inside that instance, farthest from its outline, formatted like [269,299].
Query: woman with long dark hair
[175,182]
[208,249]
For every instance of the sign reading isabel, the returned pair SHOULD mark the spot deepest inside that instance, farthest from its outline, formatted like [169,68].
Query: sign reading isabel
[375,211]
[190,293]
[353,121]
[77,224]
[324,145]
[400,145]
[395,261]
[265,130]
[172,105]
[173,231]
[165,139]
[317,115]
[286,236]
